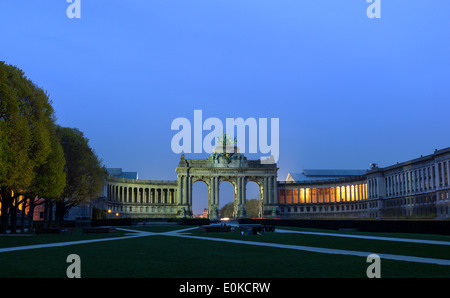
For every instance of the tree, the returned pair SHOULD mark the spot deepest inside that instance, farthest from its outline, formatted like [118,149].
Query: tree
[251,207]
[50,179]
[25,115]
[227,210]
[84,171]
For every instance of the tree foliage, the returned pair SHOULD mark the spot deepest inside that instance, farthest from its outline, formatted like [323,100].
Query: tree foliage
[251,207]
[83,169]
[25,116]
[37,157]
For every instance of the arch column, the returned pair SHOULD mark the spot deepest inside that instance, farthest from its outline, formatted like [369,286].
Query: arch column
[213,198]
[240,197]
[179,187]
[184,199]
[189,186]
[264,196]
[216,191]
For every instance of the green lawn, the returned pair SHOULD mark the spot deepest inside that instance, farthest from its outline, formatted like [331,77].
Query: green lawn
[373,246]
[163,256]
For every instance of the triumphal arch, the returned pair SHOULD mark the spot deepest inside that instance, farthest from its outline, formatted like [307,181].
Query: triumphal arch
[227,164]
[173,199]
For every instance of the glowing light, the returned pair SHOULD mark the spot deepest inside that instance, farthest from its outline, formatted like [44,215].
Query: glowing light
[302,195]
[308,195]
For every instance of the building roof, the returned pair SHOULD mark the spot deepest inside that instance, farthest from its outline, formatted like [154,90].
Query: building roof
[333,173]
[314,174]
[117,172]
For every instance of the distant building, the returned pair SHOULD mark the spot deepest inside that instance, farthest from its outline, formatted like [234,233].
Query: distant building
[204,214]
[82,211]
[118,173]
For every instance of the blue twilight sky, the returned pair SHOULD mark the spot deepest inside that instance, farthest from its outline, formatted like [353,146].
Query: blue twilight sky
[348,90]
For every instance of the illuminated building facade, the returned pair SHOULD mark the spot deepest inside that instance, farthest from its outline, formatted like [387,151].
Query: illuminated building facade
[324,193]
[415,188]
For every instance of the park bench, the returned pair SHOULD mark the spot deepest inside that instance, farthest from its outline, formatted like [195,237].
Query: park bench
[251,229]
[255,229]
[269,228]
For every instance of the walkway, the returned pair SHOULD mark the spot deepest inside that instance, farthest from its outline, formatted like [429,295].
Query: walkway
[180,233]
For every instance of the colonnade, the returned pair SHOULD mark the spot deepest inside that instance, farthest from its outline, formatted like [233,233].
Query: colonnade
[295,194]
[143,195]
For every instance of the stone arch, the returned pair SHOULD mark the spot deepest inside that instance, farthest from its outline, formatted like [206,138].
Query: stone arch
[236,171]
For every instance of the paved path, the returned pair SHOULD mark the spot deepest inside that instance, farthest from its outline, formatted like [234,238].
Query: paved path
[57,244]
[180,233]
[368,237]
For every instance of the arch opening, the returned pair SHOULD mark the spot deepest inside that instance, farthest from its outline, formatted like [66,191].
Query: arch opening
[254,196]
[227,196]
[200,204]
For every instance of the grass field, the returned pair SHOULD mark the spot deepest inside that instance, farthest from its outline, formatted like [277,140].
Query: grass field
[161,255]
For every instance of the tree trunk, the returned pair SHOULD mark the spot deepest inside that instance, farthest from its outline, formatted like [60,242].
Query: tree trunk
[22,222]
[30,215]
[4,215]
[13,211]
[60,211]
[50,214]
[7,201]
[46,214]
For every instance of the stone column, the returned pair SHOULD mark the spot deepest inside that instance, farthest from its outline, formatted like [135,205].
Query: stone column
[269,191]
[180,182]
[213,206]
[238,198]
[184,199]
[113,193]
[335,191]
[264,191]
[438,176]
[275,191]
[448,172]
[243,192]
[190,194]
[189,185]
[130,194]
[243,196]
[211,190]
[408,182]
